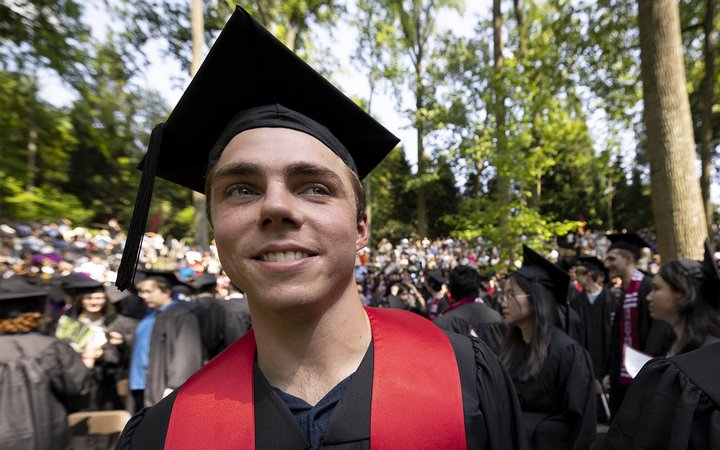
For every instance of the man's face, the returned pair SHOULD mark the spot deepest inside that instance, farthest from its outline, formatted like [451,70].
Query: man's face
[285,219]
[617,263]
[152,295]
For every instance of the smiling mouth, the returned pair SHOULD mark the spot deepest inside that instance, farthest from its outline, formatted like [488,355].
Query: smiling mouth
[283,256]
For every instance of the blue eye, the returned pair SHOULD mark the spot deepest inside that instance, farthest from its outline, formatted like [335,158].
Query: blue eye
[240,190]
[316,190]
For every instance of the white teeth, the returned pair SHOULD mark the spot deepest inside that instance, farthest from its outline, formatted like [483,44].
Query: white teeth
[283,256]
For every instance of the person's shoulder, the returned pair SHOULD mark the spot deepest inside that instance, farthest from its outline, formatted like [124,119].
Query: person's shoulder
[561,342]
[148,428]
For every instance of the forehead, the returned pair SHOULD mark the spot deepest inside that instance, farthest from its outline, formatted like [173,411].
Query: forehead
[275,148]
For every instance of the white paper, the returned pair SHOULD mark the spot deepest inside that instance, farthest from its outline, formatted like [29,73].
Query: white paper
[634,360]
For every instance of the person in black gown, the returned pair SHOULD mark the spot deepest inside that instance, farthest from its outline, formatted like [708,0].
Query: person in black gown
[552,373]
[279,152]
[674,402]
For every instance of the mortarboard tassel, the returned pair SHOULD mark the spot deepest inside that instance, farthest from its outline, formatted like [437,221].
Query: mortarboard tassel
[131,252]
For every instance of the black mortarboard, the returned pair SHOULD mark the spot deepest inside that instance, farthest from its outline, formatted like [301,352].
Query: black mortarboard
[464,282]
[76,283]
[17,296]
[275,88]
[592,263]
[204,281]
[538,269]
[167,276]
[627,241]
[710,285]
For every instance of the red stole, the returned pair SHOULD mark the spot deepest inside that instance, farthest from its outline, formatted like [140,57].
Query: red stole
[412,357]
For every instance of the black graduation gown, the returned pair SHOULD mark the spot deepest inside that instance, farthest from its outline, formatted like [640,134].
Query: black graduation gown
[656,338]
[558,406]
[673,403]
[176,351]
[41,378]
[475,319]
[595,319]
[492,415]
[237,319]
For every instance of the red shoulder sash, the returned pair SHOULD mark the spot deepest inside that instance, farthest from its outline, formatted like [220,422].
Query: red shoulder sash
[412,357]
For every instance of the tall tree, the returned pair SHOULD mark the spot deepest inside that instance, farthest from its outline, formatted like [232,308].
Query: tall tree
[706,116]
[417,27]
[677,202]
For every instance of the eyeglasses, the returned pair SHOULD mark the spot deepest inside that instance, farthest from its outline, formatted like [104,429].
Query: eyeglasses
[506,296]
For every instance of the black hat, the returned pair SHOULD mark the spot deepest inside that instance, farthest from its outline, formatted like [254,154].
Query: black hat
[710,285]
[272,87]
[539,270]
[78,283]
[204,281]
[17,296]
[168,277]
[627,241]
[464,282]
[593,264]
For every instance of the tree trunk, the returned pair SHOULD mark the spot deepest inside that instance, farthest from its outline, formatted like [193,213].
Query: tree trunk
[200,222]
[706,130]
[32,156]
[676,199]
[503,184]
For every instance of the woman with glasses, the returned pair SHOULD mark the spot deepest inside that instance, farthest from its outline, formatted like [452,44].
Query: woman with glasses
[552,373]
[99,334]
[674,402]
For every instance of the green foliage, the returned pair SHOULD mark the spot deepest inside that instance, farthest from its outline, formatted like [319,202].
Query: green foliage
[392,201]
[44,202]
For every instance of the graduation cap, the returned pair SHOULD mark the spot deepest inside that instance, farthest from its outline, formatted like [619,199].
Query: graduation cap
[464,282]
[204,281]
[627,241]
[78,283]
[593,264]
[710,283]
[169,277]
[272,88]
[17,297]
[538,269]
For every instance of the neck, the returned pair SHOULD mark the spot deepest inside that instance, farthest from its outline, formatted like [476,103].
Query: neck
[306,354]
[627,276]
[678,328]
[592,288]
[91,316]
[527,328]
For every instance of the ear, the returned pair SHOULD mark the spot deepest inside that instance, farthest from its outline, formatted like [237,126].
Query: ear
[362,233]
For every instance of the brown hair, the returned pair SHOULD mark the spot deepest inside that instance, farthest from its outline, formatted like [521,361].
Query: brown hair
[26,322]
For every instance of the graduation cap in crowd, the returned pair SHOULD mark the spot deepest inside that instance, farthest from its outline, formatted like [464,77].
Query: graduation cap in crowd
[169,277]
[593,264]
[628,241]
[204,281]
[464,282]
[79,283]
[17,297]
[540,270]
[273,88]
[710,284]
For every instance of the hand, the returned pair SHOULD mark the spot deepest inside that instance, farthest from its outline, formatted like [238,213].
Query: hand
[115,338]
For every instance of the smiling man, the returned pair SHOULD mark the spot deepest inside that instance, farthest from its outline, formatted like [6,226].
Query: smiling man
[280,152]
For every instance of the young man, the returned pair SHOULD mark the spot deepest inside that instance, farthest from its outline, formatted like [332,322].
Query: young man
[594,305]
[167,347]
[632,324]
[318,370]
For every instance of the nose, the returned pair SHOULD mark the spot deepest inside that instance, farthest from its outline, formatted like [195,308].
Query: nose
[279,208]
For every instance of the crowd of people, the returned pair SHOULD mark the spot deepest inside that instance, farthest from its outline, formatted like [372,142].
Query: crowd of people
[549,318]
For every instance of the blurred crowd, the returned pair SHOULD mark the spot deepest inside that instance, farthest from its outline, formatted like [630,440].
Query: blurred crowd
[133,348]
